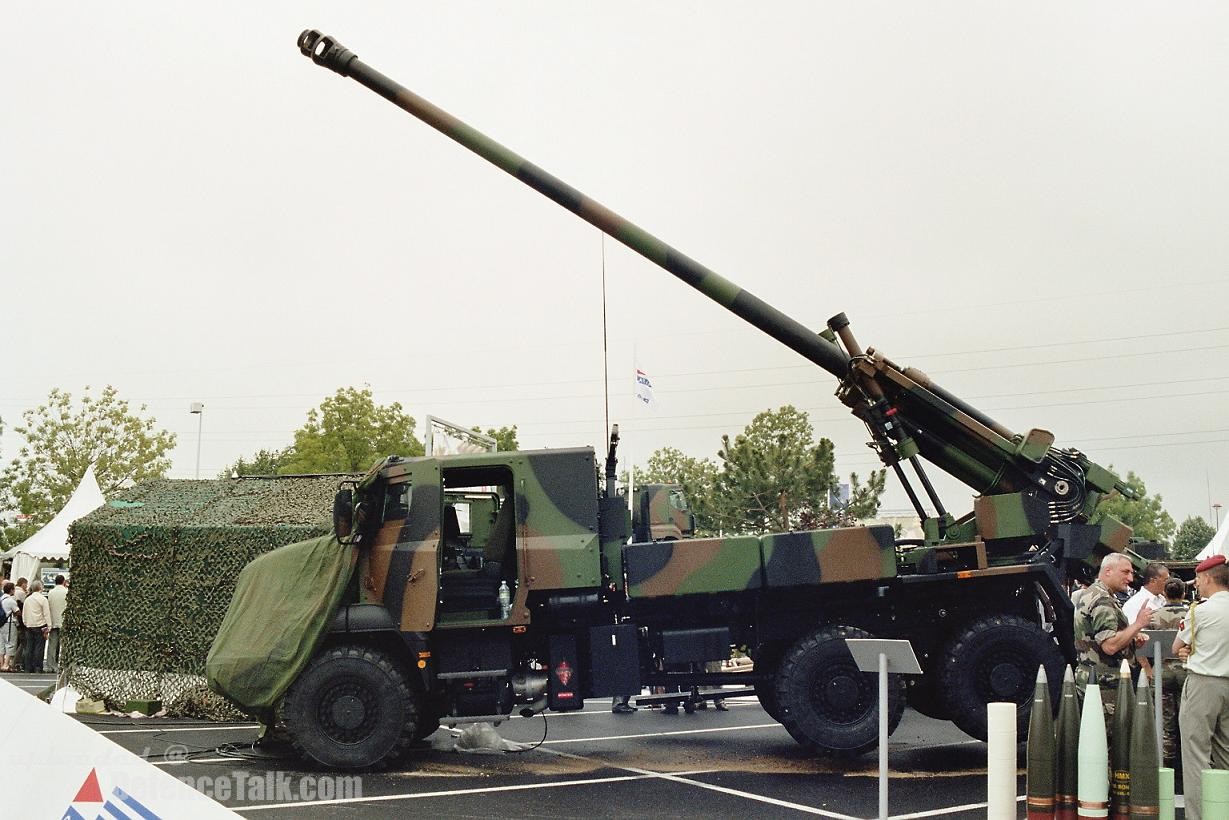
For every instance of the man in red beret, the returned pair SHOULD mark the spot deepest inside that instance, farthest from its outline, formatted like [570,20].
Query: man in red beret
[1203,642]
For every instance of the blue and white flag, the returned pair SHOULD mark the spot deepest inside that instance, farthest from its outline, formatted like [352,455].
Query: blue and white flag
[644,389]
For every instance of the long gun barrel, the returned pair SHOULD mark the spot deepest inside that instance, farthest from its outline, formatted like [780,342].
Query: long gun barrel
[1038,487]
[329,53]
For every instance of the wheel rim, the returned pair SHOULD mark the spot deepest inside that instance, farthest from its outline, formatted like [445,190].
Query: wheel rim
[841,695]
[1002,676]
[348,712]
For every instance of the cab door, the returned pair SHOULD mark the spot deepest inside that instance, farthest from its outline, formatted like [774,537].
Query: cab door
[404,556]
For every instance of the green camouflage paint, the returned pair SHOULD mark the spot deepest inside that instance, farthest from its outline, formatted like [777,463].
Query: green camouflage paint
[659,512]
[829,556]
[694,567]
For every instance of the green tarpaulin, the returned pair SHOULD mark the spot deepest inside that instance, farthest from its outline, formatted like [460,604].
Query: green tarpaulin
[283,603]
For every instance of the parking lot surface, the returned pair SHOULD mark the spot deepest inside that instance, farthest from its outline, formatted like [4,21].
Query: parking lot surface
[591,763]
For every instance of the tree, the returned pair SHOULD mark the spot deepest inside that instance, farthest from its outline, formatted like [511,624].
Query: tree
[776,477]
[505,437]
[1193,535]
[1143,514]
[669,465]
[349,433]
[63,439]
[262,462]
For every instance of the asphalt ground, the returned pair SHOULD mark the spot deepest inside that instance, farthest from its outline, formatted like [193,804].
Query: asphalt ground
[591,763]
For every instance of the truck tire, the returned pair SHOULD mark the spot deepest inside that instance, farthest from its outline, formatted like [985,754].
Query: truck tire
[924,696]
[351,708]
[825,702]
[767,658]
[427,726]
[995,659]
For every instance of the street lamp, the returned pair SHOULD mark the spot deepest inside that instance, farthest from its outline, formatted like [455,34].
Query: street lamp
[1216,509]
[198,409]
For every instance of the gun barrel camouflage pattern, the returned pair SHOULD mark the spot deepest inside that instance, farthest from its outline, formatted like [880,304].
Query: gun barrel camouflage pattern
[329,53]
[907,414]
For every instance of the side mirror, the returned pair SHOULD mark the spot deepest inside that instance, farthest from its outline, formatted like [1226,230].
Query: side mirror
[343,513]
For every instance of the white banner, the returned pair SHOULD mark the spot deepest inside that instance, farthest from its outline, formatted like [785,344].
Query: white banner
[67,770]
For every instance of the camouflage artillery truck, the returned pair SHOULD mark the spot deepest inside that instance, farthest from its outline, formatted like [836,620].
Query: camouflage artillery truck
[365,642]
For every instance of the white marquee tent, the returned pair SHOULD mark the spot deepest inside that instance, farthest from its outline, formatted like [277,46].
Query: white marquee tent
[51,542]
[1217,545]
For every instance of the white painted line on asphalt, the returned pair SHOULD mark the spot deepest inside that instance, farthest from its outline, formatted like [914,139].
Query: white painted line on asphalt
[681,777]
[662,734]
[456,792]
[949,810]
[176,729]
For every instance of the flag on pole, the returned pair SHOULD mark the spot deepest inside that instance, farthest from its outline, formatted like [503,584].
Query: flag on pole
[644,389]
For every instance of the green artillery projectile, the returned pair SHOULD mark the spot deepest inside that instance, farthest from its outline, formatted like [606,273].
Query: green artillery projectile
[1041,752]
[1145,792]
[1120,748]
[1066,742]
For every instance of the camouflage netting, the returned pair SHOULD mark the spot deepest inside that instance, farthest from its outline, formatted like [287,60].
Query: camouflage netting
[152,574]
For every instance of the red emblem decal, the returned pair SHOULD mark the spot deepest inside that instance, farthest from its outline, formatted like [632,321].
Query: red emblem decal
[563,672]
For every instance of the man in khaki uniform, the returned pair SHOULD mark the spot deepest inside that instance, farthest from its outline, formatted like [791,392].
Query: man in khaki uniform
[1203,640]
[1104,638]
[36,615]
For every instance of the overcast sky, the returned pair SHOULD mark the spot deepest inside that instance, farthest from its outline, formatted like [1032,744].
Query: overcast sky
[1025,200]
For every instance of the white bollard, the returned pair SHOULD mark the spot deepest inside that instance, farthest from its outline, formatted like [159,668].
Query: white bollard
[1001,761]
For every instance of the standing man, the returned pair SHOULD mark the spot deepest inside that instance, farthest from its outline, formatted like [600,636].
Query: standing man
[1173,672]
[1151,591]
[1203,640]
[58,600]
[1104,638]
[36,615]
[8,632]
[19,593]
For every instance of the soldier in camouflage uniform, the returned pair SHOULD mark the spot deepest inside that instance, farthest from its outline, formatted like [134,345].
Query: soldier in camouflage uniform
[1103,636]
[1173,672]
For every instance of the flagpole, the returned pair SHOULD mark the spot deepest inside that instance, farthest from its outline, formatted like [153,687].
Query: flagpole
[631,462]
[605,353]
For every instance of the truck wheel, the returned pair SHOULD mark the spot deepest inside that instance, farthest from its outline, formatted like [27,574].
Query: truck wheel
[427,726]
[351,708]
[767,694]
[995,659]
[767,659]
[924,696]
[825,702]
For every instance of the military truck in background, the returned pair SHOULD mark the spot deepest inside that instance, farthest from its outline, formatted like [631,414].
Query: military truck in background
[552,605]
[660,512]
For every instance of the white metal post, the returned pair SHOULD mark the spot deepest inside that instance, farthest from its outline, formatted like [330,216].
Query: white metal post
[883,736]
[198,409]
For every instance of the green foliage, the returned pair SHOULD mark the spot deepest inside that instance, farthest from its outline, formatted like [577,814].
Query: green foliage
[698,477]
[63,438]
[349,433]
[1144,514]
[262,462]
[505,437]
[776,477]
[1193,535]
